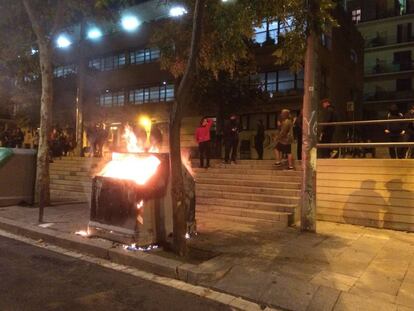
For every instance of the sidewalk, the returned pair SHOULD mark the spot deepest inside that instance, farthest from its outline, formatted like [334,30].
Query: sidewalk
[342,267]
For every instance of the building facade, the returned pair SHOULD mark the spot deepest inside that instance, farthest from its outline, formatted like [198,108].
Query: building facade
[122,79]
[387,28]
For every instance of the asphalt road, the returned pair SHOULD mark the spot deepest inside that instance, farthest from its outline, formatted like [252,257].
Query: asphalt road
[33,278]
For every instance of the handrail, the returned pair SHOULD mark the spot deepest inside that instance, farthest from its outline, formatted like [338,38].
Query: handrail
[367,122]
[367,145]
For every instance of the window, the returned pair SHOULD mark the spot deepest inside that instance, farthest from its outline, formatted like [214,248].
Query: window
[107,63]
[64,71]
[272,30]
[155,94]
[277,81]
[144,56]
[356,16]
[112,99]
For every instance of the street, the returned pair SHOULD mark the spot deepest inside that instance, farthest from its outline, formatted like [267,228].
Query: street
[37,279]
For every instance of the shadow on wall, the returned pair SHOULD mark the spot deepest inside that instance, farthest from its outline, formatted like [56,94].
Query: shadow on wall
[366,206]
[401,199]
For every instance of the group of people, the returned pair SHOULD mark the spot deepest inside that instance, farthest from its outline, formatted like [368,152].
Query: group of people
[61,142]
[400,132]
[12,138]
[282,141]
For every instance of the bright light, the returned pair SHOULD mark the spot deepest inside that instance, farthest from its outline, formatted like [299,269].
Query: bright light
[177,11]
[130,23]
[63,41]
[34,51]
[94,33]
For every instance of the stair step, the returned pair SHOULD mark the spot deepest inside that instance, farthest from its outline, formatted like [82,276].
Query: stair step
[76,196]
[253,205]
[248,196]
[248,183]
[74,187]
[253,171]
[247,189]
[244,212]
[72,178]
[225,175]
[260,224]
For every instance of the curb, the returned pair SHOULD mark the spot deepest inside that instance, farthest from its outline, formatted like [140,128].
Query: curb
[190,273]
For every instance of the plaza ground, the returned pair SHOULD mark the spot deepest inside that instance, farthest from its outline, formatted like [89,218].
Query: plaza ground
[341,267]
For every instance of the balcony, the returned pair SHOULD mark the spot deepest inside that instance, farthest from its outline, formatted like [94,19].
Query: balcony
[384,95]
[381,14]
[382,40]
[383,67]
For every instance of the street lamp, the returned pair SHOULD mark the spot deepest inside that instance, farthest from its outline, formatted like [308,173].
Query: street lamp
[94,33]
[177,11]
[63,41]
[130,22]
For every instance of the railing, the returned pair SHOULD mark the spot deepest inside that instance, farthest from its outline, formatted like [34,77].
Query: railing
[389,95]
[382,40]
[388,67]
[341,146]
[380,14]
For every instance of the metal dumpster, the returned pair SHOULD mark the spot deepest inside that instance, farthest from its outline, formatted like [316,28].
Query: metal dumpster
[17,176]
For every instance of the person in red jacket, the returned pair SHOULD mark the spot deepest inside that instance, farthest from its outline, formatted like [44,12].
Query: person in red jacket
[203,139]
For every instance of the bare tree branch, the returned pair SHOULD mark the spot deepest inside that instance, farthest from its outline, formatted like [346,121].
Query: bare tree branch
[57,21]
[37,28]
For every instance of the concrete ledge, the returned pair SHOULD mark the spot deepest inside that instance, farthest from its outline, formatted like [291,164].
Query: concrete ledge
[195,274]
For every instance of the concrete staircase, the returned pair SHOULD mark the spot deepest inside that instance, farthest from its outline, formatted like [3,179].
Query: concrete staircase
[250,192]
[70,178]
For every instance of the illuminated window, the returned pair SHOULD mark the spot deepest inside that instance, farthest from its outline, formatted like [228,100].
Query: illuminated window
[278,81]
[144,56]
[154,94]
[64,71]
[356,16]
[112,99]
[107,63]
[271,31]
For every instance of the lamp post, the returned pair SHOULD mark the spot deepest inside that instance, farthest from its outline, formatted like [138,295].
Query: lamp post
[80,83]
[310,116]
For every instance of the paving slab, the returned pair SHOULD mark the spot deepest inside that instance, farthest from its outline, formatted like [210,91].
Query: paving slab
[289,293]
[334,280]
[351,302]
[324,299]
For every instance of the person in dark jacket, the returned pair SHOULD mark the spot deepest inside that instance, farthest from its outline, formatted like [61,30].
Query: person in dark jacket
[297,131]
[395,132]
[259,139]
[410,128]
[202,136]
[231,139]
[328,114]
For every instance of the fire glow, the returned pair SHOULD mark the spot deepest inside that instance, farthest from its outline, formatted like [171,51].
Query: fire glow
[135,165]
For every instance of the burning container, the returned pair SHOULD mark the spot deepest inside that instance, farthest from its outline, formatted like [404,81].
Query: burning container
[131,200]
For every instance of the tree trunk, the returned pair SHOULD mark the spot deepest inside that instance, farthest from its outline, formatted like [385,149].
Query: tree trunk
[42,169]
[183,101]
[309,151]
[80,92]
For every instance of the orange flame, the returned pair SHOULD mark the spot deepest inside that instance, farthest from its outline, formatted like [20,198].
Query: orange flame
[131,167]
[135,167]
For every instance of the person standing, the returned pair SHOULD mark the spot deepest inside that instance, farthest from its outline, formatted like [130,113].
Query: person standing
[395,132]
[202,137]
[297,131]
[284,139]
[328,115]
[259,139]
[410,129]
[231,139]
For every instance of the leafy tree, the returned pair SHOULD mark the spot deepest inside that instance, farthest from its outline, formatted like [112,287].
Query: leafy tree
[214,40]
[25,23]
